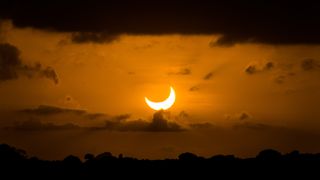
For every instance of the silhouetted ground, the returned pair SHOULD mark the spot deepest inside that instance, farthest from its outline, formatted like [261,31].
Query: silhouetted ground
[268,164]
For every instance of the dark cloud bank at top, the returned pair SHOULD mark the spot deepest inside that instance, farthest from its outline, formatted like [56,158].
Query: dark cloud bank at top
[270,22]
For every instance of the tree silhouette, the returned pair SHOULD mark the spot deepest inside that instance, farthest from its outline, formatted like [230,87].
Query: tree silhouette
[14,163]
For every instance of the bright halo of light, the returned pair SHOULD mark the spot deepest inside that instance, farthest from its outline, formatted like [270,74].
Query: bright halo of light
[163,105]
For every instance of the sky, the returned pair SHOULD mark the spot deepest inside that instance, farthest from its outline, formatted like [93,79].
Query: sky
[73,77]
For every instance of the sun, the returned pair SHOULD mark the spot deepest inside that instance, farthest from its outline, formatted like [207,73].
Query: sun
[163,105]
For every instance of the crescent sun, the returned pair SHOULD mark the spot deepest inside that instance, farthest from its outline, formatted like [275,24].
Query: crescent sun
[163,105]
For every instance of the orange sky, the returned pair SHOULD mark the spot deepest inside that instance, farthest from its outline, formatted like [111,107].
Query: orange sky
[213,84]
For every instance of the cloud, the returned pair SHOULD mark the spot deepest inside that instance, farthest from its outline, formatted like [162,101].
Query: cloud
[12,67]
[253,126]
[183,71]
[9,62]
[268,66]
[85,37]
[194,88]
[37,125]
[134,125]
[244,116]
[208,76]
[310,64]
[297,69]
[283,72]
[94,116]
[280,79]
[255,68]
[251,69]
[38,71]
[51,110]
[201,125]
[159,123]
[182,115]
[122,117]
[47,110]
[270,22]
[239,116]
[228,40]
[122,122]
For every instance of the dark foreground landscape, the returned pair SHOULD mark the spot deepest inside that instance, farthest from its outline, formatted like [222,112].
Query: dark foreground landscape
[15,163]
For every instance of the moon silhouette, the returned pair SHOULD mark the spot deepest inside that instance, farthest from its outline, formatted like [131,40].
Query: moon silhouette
[163,105]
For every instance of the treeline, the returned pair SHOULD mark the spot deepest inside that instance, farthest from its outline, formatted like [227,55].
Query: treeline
[268,163]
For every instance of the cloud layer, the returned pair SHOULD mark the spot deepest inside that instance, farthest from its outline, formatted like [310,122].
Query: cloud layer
[51,110]
[37,125]
[182,71]
[282,72]
[159,123]
[256,68]
[270,22]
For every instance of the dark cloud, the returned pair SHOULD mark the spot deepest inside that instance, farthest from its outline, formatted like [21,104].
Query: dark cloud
[85,37]
[37,125]
[52,110]
[253,126]
[268,66]
[49,73]
[271,22]
[254,68]
[69,98]
[283,72]
[120,122]
[280,79]
[208,76]
[201,125]
[11,66]
[239,116]
[228,40]
[9,62]
[251,69]
[134,125]
[289,70]
[182,115]
[159,123]
[244,116]
[310,64]
[38,71]
[122,117]
[183,71]
[194,88]
[93,116]
[47,110]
